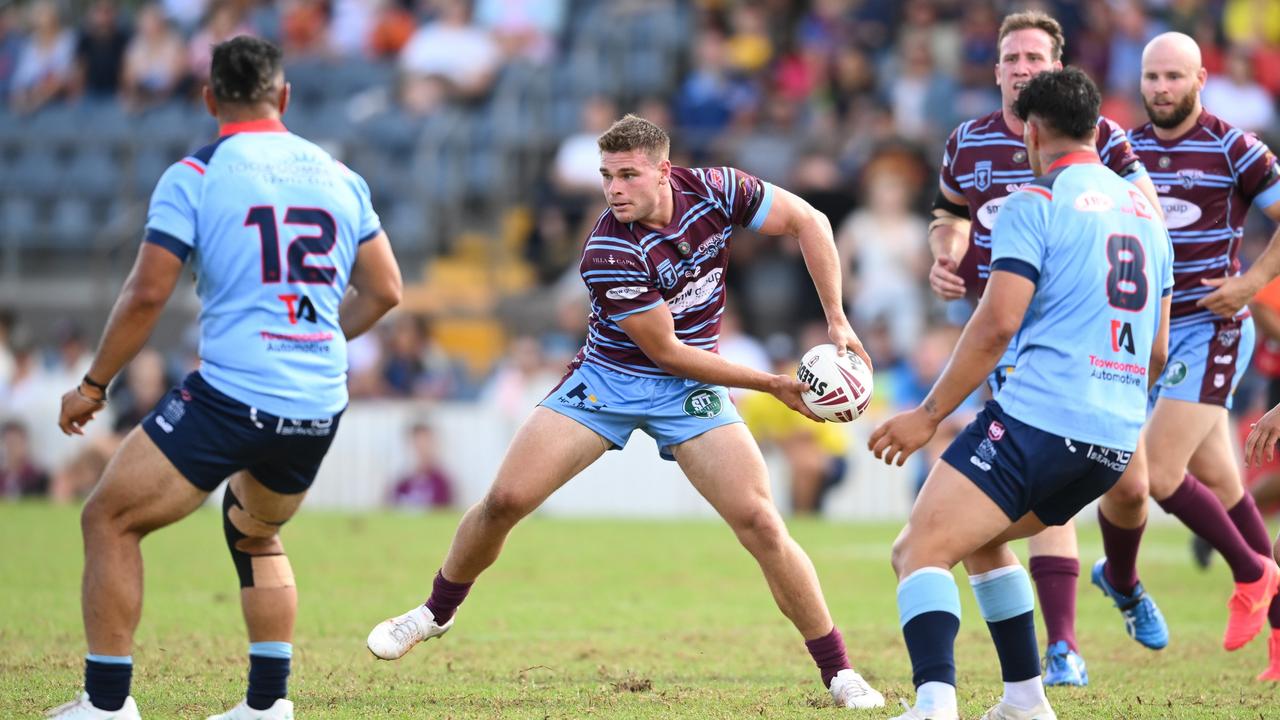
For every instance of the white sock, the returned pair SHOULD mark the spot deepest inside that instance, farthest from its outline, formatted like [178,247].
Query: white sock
[935,696]
[1025,694]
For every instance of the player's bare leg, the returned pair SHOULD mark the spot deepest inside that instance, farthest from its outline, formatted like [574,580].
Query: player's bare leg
[725,466]
[1055,571]
[140,491]
[1122,519]
[1175,432]
[547,451]
[929,603]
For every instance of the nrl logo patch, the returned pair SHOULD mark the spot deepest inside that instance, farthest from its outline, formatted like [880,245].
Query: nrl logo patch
[703,403]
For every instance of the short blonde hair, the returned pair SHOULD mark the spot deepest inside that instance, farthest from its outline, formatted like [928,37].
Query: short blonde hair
[633,132]
[1033,20]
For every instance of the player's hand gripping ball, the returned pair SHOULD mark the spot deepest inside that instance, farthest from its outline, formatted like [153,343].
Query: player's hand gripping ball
[839,386]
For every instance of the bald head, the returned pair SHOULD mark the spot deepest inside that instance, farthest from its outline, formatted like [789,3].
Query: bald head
[1172,78]
[1172,48]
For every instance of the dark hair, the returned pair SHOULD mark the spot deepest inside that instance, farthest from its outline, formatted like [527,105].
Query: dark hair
[633,132]
[1033,20]
[245,70]
[1065,100]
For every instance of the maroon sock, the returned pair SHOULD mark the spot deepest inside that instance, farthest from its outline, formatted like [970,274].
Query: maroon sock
[1120,545]
[1249,522]
[445,597]
[1055,579]
[1199,510]
[829,654]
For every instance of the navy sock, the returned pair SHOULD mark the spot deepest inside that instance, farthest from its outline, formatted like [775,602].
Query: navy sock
[929,612]
[1007,604]
[107,679]
[268,673]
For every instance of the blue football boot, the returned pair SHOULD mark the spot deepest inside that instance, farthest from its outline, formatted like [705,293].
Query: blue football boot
[1142,619]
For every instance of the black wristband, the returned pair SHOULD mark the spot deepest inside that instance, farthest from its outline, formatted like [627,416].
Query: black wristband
[940,202]
[94,384]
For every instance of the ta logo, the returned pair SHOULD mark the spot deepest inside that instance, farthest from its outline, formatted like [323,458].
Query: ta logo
[303,309]
[1122,337]
[1176,373]
[703,403]
[581,398]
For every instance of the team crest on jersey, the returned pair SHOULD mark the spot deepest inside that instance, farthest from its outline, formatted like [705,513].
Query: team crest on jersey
[667,276]
[715,179]
[684,248]
[1227,338]
[1190,177]
[982,175]
[703,403]
[995,431]
[1020,156]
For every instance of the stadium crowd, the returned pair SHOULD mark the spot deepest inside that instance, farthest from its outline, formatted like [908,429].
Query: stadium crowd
[460,112]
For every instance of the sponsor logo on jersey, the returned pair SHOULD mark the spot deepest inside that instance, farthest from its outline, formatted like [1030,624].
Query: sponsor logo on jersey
[697,292]
[581,398]
[1115,460]
[1179,213]
[1093,201]
[629,292]
[982,175]
[715,178]
[1227,338]
[1176,373]
[984,455]
[989,210]
[703,403]
[1223,359]
[1190,177]
[306,428]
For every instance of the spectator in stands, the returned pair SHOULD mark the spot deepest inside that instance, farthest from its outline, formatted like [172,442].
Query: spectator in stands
[1237,98]
[186,14]
[452,57]
[520,380]
[19,475]
[1251,22]
[46,63]
[392,26]
[711,96]
[576,168]
[414,365]
[524,29]
[427,485]
[11,43]
[226,20]
[921,95]
[100,52]
[304,28]
[154,62]
[6,351]
[852,82]
[884,252]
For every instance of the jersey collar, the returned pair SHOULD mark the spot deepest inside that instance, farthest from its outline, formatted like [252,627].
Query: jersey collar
[252,126]
[1079,157]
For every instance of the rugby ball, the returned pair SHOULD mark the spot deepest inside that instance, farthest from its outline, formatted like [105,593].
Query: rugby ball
[839,387]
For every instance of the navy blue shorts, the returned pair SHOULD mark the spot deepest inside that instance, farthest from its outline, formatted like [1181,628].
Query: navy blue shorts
[209,436]
[1027,470]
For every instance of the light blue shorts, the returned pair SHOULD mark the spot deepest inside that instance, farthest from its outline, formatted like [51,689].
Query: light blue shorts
[1206,361]
[613,404]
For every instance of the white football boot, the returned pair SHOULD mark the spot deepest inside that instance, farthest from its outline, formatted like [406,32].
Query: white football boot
[915,714]
[392,638]
[82,709]
[851,691]
[281,709]
[1008,712]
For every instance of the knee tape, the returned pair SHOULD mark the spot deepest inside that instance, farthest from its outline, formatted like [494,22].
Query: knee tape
[265,570]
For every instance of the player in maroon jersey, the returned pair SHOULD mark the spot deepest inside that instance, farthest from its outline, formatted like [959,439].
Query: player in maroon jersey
[986,161]
[654,267]
[1208,174]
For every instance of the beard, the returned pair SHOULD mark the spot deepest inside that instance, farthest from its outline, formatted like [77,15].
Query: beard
[1180,112]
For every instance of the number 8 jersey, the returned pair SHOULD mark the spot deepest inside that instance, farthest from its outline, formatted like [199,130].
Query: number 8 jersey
[272,224]
[1102,261]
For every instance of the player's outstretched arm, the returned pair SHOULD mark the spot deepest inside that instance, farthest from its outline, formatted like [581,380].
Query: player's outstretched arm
[375,287]
[150,283]
[985,338]
[1160,346]
[948,241]
[654,332]
[791,216]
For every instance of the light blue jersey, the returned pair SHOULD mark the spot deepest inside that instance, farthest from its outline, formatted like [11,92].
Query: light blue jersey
[1101,261]
[272,224]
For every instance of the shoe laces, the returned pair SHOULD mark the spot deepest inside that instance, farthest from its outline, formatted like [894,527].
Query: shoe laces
[855,686]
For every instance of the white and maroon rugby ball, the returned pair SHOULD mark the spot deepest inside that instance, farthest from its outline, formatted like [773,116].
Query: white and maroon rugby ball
[839,387]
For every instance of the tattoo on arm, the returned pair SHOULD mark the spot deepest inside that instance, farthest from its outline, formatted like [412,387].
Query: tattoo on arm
[931,406]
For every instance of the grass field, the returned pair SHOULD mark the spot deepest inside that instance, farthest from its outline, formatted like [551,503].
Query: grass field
[579,619]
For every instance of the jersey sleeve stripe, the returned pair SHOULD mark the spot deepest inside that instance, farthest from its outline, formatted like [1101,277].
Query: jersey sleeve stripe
[1042,192]
[192,164]
[1268,197]
[168,242]
[1017,267]
[622,316]
[762,212]
[369,237]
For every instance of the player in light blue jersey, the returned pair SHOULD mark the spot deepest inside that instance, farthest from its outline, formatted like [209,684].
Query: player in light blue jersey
[1082,273]
[290,263]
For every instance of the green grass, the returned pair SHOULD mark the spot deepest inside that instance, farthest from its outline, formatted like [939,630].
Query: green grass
[579,619]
